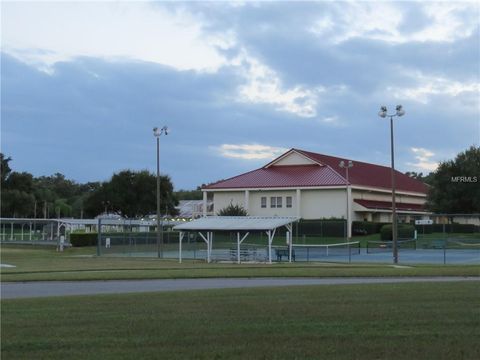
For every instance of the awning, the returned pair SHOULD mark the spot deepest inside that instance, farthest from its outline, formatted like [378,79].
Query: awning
[237,223]
[207,225]
[387,205]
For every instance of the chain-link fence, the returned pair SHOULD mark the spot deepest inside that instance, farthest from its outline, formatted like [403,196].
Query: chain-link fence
[438,239]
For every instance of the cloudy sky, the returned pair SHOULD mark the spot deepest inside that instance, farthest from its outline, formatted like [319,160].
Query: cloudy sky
[238,83]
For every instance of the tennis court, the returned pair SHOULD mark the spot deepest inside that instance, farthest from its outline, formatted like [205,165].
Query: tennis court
[450,251]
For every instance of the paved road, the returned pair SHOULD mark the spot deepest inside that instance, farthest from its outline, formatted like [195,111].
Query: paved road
[67,288]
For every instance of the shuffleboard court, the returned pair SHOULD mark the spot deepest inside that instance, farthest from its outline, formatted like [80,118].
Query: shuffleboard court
[64,288]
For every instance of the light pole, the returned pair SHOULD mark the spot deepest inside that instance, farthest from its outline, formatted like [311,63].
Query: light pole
[347,165]
[383,113]
[157,132]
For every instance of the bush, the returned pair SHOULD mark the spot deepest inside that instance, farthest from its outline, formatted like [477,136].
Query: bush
[366,227]
[404,231]
[83,239]
[424,229]
[455,228]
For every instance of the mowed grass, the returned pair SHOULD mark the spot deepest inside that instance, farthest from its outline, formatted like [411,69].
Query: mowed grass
[43,264]
[388,321]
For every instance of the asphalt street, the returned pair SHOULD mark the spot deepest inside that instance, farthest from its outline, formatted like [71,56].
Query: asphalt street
[69,288]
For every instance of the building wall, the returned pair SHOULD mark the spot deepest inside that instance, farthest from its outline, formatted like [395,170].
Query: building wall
[223,199]
[318,204]
[294,159]
[314,204]
[255,208]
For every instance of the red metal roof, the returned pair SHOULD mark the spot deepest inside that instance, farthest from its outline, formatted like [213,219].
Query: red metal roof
[371,175]
[325,173]
[387,205]
[282,176]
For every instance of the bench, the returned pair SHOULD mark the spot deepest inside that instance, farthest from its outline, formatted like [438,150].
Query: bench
[245,254]
[284,252]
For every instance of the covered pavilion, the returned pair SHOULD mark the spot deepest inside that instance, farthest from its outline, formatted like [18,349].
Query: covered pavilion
[242,225]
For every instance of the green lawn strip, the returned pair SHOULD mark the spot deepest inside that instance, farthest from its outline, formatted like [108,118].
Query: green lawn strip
[40,264]
[388,321]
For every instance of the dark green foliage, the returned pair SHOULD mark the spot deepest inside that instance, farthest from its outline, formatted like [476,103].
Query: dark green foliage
[83,239]
[455,184]
[5,169]
[128,193]
[404,231]
[132,194]
[189,194]
[329,227]
[366,227]
[427,179]
[233,210]
[16,203]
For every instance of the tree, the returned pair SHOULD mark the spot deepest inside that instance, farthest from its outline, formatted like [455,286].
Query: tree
[189,194]
[233,210]
[17,194]
[454,186]
[4,168]
[132,194]
[427,179]
[16,203]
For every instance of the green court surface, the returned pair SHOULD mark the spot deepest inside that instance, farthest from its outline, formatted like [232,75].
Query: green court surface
[44,263]
[394,321]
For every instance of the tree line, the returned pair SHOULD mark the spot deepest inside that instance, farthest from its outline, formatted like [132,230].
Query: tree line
[130,194]
[453,188]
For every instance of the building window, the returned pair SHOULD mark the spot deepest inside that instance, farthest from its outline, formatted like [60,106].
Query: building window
[263,201]
[289,201]
[276,202]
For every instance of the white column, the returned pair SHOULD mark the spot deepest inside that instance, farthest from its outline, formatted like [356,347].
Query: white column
[30,238]
[269,247]
[238,248]
[299,203]
[290,245]
[204,204]
[247,201]
[180,247]
[210,246]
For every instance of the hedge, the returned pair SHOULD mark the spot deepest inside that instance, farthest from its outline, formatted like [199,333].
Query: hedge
[83,239]
[333,228]
[366,227]
[448,228]
[404,231]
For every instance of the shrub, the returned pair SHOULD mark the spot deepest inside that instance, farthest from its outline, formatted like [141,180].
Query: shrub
[455,228]
[233,210]
[404,231]
[424,229]
[366,227]
[83,239]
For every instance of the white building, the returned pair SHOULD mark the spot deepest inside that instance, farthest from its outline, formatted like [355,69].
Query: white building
[313,186]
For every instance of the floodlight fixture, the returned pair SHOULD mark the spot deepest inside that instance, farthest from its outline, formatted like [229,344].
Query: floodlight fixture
[384,113]
[400,111]
[347,165]
[157,133]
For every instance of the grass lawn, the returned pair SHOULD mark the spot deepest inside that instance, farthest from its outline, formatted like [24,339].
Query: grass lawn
[44,263]
[388,321]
